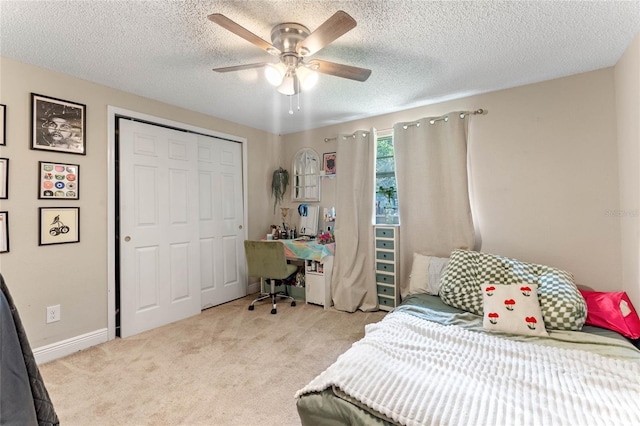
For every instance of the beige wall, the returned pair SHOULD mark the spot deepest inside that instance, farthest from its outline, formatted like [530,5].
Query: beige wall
[75,275]
[627,86]
[543,168]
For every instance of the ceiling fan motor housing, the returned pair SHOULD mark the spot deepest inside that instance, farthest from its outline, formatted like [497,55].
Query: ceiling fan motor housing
[287,36]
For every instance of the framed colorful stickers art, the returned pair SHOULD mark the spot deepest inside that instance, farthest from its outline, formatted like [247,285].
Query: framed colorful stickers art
[58,181]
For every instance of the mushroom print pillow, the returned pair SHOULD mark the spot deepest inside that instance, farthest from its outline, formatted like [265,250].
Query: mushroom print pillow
[512,308]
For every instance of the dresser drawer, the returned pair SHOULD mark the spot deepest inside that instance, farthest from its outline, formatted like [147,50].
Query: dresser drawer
[384,232]
[384,255]
[385,301]
[385,279]
[384,244]
[384,267]
[384,290]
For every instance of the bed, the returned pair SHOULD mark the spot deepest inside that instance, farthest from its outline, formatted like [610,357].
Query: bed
[429,363]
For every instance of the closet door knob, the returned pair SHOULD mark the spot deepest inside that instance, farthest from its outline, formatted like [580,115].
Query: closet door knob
[127,239]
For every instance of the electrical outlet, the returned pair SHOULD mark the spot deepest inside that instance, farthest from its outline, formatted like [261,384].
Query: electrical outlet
[53,313]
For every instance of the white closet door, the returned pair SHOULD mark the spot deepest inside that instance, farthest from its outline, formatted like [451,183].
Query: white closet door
[222,263]
[159,229]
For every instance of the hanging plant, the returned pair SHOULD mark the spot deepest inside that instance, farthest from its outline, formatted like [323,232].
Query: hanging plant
[279,185]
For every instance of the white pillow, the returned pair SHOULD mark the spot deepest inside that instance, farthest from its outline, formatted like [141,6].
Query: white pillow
[512,308]
[425,273]
[419,277]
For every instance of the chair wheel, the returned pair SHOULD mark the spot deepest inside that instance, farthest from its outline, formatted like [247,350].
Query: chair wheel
[273,311]
[251,307]
[293,303]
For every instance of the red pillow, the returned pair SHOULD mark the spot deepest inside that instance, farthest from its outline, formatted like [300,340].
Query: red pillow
[612,310]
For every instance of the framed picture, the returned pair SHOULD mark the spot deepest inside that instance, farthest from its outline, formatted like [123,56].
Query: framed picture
[58,181]
[329,163]
[4,178]
[3,124]
[57,125]
[4,232]
[59,225]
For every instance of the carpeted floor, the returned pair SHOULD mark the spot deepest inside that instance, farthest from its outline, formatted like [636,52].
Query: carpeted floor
[226,366]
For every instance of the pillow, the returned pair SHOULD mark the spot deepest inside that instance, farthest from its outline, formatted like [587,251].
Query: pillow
[562,305]
[425,273]
[513,309]
[419,277]
[612,310]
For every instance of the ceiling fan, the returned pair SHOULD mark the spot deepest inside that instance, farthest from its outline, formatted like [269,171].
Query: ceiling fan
[293,43]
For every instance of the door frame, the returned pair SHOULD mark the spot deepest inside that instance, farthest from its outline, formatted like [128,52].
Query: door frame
[117,112]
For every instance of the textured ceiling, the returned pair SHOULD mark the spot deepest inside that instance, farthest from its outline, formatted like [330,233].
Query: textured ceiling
[420,52]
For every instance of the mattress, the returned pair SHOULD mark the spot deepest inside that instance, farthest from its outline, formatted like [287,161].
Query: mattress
[328,404]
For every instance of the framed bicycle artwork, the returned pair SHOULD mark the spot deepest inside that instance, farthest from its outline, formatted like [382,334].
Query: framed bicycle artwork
[59,225]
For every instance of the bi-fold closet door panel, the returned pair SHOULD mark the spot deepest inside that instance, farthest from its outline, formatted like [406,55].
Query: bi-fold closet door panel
[222,266]
[162,263]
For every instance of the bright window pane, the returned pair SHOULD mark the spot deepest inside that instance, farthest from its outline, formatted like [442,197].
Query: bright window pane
[386,206]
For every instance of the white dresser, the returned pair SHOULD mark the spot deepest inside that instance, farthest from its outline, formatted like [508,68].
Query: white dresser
[386,252]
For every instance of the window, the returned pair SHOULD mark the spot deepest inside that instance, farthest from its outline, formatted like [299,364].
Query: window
[386,188]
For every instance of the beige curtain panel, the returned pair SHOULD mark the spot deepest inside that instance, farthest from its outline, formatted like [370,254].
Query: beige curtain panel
[433,193]
[353,284]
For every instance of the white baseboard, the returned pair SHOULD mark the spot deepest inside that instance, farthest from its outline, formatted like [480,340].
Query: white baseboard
[253,288]
[66,347]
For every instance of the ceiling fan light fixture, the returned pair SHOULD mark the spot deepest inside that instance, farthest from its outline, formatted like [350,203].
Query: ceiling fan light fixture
[275,73]
[290,85]
[308,77]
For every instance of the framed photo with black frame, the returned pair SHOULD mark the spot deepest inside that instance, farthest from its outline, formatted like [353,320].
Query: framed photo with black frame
[329,163]
[4,178]
[3,124]
[58,125]
[59,225]
[4,232]
[58,181]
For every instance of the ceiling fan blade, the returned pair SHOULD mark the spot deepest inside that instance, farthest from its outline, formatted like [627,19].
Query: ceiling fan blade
[340,70]
[331,29]
[241,67]
[239,30]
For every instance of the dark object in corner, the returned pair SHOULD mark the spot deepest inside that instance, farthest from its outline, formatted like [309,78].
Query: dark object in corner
[23,396]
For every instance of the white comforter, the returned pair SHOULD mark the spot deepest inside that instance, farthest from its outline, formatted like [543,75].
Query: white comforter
[417,372]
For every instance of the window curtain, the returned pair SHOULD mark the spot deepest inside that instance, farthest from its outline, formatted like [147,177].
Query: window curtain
[353,284]
[433,193]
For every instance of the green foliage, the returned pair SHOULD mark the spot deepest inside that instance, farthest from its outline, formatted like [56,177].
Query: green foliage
[388,192]
[279,184]
[384,147]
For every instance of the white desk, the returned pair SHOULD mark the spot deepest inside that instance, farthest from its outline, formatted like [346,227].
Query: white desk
[318,265]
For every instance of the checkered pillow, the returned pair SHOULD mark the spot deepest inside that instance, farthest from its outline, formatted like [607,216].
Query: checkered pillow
[563,307]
